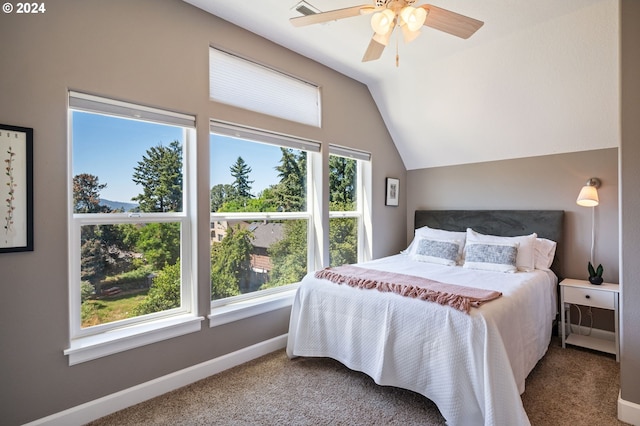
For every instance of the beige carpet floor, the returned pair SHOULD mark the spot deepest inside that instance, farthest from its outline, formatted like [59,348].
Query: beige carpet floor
[570,386]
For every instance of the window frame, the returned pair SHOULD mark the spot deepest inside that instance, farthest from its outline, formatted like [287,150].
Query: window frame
[241,306]
[363,190]
[104,339]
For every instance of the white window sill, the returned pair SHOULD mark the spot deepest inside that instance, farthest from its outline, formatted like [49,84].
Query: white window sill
[251,307]
[91,347]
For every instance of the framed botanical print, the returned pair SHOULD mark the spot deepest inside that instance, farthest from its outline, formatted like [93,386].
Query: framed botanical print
[16,189]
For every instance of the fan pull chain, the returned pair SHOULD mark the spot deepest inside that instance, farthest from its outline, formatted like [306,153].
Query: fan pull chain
[397,53]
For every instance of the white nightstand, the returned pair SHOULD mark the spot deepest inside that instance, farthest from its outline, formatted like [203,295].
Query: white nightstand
[604,296]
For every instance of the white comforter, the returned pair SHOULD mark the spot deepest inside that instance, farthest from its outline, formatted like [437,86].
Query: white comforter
[473,367]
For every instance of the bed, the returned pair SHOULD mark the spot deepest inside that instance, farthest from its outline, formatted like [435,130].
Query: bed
[471,364]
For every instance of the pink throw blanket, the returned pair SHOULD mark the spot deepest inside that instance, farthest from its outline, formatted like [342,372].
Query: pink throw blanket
[456,296]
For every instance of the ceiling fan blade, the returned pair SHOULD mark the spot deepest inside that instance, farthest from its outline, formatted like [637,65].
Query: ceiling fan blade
[374,51]
[331,15]
[450,22]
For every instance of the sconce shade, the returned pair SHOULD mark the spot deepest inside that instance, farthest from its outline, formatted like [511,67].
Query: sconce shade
[588,196]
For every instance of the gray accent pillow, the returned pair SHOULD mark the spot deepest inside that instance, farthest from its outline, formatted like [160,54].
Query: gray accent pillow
[443,252]
[491,257]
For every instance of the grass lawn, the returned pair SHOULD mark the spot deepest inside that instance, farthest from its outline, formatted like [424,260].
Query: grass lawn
[111,309]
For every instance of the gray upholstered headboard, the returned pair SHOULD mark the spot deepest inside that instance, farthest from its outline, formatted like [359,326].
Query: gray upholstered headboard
[506,223]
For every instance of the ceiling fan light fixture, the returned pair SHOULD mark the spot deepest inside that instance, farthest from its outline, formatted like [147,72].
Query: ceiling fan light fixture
[409,35]
[413,17]
[382,22]
[383,39]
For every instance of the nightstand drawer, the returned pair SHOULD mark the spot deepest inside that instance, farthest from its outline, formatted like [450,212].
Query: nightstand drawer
[589,297]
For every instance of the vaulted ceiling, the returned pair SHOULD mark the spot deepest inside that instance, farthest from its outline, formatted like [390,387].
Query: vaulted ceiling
[540,77]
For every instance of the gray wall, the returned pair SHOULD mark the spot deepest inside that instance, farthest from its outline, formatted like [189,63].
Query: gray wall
[630,201]
[546,182]
[153,53]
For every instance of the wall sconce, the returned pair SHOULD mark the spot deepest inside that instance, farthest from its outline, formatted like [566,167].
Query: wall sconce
[588,197]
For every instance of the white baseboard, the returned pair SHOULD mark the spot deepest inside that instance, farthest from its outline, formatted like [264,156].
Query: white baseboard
[106,405]
[628,412]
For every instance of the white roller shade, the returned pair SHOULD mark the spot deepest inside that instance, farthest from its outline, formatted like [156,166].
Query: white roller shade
[245,84]
[349,153]
[95,104]
[257,135]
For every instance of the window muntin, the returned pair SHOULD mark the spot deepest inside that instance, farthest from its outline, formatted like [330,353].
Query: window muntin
[260,220]
[130,255]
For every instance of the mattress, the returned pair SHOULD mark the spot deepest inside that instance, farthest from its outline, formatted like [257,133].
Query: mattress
[472,366]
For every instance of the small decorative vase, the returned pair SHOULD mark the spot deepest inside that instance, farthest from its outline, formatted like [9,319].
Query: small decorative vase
[595,280]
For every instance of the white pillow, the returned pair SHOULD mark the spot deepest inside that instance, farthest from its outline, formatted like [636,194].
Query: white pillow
[526,246]
[544,253]
[491,256]
[438,234]
[442,252]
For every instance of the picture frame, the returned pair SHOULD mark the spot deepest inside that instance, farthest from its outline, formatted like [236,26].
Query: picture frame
[16,189]
[392,192]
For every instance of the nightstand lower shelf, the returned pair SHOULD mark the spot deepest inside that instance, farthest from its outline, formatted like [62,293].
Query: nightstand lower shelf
[582,293]
[590,342]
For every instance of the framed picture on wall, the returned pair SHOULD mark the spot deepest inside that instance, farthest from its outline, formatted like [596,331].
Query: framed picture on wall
[393,191]
[16,189]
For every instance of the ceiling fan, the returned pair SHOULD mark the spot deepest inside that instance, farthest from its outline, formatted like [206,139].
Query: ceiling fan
[389,14]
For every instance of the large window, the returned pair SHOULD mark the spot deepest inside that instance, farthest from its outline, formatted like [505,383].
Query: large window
[261,221]
[130,218]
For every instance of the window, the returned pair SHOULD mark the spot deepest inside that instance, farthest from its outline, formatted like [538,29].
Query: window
[260,212]
[269,92]
[347,234]
[130,224]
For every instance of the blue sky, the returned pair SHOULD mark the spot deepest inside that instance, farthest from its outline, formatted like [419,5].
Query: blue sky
[110,148]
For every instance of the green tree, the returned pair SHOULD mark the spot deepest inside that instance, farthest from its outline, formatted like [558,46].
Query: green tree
[342,183]
[220,194]
[160,243]
[290,192]
[343,240]
[92,260]
[343,232]
[231,263]
[86,194]
[241,184]
[164,292]
[160,174]
[100,245]
[289,255]
[251,205]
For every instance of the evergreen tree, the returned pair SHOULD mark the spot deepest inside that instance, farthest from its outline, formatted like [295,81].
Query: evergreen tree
[86,194]
[290,192]
[160,174]
[343,232]
[342,183]
[242,185]
[99,244]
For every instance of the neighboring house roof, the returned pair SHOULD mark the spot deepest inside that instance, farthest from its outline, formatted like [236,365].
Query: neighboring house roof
[265,234]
